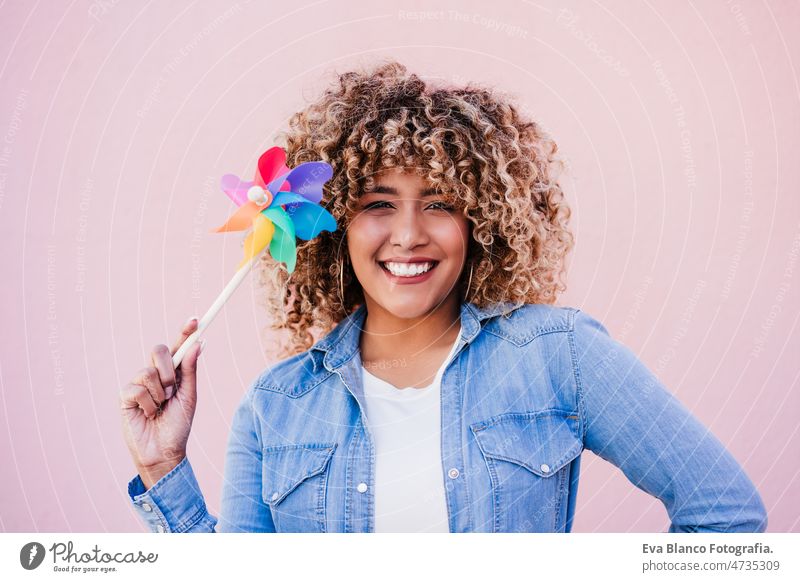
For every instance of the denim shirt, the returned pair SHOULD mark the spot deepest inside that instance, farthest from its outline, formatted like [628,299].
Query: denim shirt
[528,389]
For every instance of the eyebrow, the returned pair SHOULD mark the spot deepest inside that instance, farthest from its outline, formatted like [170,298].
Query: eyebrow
[393,191]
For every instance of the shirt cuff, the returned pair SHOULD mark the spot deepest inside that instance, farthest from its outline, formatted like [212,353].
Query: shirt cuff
[174,504]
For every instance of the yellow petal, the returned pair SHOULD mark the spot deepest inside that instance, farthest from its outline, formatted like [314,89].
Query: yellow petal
[258,239]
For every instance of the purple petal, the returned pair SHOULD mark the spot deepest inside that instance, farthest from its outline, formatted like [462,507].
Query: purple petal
[307,179]
[235,188]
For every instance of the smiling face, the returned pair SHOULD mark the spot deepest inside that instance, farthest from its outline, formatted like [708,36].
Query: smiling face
[407,246]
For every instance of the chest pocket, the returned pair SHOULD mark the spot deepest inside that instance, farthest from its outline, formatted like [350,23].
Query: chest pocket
[294,482]
[527,455]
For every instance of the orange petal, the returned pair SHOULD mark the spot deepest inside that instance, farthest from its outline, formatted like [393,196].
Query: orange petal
[242,219]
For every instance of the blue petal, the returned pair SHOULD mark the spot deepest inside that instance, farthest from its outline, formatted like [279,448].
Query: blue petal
[309,219]
[283,198]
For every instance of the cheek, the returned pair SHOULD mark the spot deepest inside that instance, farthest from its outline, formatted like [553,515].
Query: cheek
[455,238]
[364,238]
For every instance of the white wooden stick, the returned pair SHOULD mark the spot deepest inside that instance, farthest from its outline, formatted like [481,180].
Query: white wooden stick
[213,310]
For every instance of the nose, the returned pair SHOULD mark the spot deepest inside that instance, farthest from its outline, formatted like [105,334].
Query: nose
[408,228]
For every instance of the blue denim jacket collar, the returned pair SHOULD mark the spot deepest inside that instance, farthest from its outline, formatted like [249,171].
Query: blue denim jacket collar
[342,342]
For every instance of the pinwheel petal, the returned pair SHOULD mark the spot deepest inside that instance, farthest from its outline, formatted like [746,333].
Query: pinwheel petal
[257,240]
[309,219]
[283,247]
[284,198]
[235,188]
[271,164]
[242,219]
[307,179]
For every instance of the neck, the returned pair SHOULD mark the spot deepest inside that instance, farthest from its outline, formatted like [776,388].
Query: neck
[387,336]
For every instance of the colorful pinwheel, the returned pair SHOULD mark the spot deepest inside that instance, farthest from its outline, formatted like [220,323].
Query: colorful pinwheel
[278,204]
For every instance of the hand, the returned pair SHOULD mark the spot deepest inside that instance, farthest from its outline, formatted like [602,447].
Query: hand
[158,408]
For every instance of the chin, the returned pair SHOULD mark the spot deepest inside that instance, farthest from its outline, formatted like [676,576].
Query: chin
[409,308]
[407,311]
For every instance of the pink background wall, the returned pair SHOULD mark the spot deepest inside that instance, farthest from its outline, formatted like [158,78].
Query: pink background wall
[681,123]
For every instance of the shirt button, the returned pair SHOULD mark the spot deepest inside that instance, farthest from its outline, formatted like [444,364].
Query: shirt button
[361,488]
[275,496]
[160,528]
[147,507]
[453,473]
[545,468]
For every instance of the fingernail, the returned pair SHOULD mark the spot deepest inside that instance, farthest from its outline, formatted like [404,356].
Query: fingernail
[188,321]
[202,346]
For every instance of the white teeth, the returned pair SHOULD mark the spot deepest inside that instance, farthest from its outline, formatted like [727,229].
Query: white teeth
[408,269]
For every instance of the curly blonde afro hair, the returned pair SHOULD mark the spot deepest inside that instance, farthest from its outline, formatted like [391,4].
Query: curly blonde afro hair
[472,145]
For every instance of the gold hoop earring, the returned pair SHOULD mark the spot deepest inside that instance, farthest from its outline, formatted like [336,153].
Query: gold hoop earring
[469,282]
[341,281]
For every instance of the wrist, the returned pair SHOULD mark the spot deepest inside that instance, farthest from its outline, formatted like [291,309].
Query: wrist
[151,474]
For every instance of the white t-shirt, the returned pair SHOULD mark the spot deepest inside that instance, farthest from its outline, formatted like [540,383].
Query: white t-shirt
[409,480]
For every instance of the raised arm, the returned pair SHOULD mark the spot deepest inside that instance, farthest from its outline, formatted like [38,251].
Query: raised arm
[632,421]
[176,504]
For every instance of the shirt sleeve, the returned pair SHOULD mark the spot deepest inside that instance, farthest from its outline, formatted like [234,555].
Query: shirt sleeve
[175,504]
[632,421]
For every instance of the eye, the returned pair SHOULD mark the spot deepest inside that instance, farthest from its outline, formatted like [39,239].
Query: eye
[441,205]
[376,204]
[384,204]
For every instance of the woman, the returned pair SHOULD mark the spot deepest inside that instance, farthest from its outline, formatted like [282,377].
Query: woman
[449,393]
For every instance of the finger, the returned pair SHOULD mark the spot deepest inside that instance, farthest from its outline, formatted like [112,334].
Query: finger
[133,396]
[162,360]
[149,378]
[188,372]
[188,329]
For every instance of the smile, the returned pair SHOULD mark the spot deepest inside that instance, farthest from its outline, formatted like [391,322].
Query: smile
[407,269]
[410,272]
